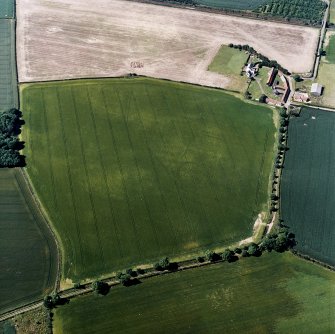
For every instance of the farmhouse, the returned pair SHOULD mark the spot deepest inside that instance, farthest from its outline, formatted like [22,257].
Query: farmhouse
[316,89]
[251,70]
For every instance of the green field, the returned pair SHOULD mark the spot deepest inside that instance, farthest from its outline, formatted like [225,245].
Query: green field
[231,4]
[308,185]
[228,61]
[332,12]
[276,293]
[326,74]
[28,263]
[330,50]
[8,84]
[130,170]
[7,9]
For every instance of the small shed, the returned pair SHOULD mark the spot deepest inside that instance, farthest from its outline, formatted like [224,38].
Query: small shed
[316,89]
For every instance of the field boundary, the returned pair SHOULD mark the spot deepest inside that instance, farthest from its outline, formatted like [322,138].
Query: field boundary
[227,12]
[112,281]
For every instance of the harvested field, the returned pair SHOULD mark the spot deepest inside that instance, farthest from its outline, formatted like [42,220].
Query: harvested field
[131,170]
[68,39]
[8,83]
[276,293]
[28,258]
[308,185]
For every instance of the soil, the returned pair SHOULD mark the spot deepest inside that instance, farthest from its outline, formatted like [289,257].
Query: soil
[64,39]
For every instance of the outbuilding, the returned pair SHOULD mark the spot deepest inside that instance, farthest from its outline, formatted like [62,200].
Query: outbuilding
[316,89]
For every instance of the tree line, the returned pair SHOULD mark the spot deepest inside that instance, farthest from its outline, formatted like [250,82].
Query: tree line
[264,61]
[10,145]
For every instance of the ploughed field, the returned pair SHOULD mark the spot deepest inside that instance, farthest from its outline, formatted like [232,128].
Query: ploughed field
[276,293]
[130,170]
[27,250]
[120,37]
[232,4]
[7,9]
[308,183]
[8,84]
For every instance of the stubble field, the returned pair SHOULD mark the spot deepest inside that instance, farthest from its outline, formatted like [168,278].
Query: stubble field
[70,39]
[139,168]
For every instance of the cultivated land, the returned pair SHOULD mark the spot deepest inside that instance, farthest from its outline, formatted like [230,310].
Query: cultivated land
[230,61]
[28,263]
[120,37]
[330,49]
[232,4]
[141,168]
[308,183]
[7,9]
[326,73]
[332,12]
[276,293]
[8,85]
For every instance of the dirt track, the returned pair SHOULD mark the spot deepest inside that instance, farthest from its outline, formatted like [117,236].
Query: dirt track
[64,39]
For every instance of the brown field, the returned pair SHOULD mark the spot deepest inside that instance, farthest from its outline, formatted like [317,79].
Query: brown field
[63,39]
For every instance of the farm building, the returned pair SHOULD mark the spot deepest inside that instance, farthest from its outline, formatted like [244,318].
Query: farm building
[272,75]
[316,89]
[300,97]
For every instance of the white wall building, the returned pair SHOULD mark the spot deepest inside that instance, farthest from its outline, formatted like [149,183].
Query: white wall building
[316,89]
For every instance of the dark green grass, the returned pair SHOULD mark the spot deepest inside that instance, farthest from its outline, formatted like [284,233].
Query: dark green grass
[27,261]
[8,81]
[132,170]
[330,50]
[7,9]
[232,4]
[276,293]
[308,183]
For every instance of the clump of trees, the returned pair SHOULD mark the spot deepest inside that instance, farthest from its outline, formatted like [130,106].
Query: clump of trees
[262,98]
[165,264]
[265,61]
[128,277]
[10,128]
[51,301]
[100,287]
[280,240]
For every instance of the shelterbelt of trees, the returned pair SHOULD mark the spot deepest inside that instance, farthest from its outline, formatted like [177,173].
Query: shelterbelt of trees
[309,12]
[10,145]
